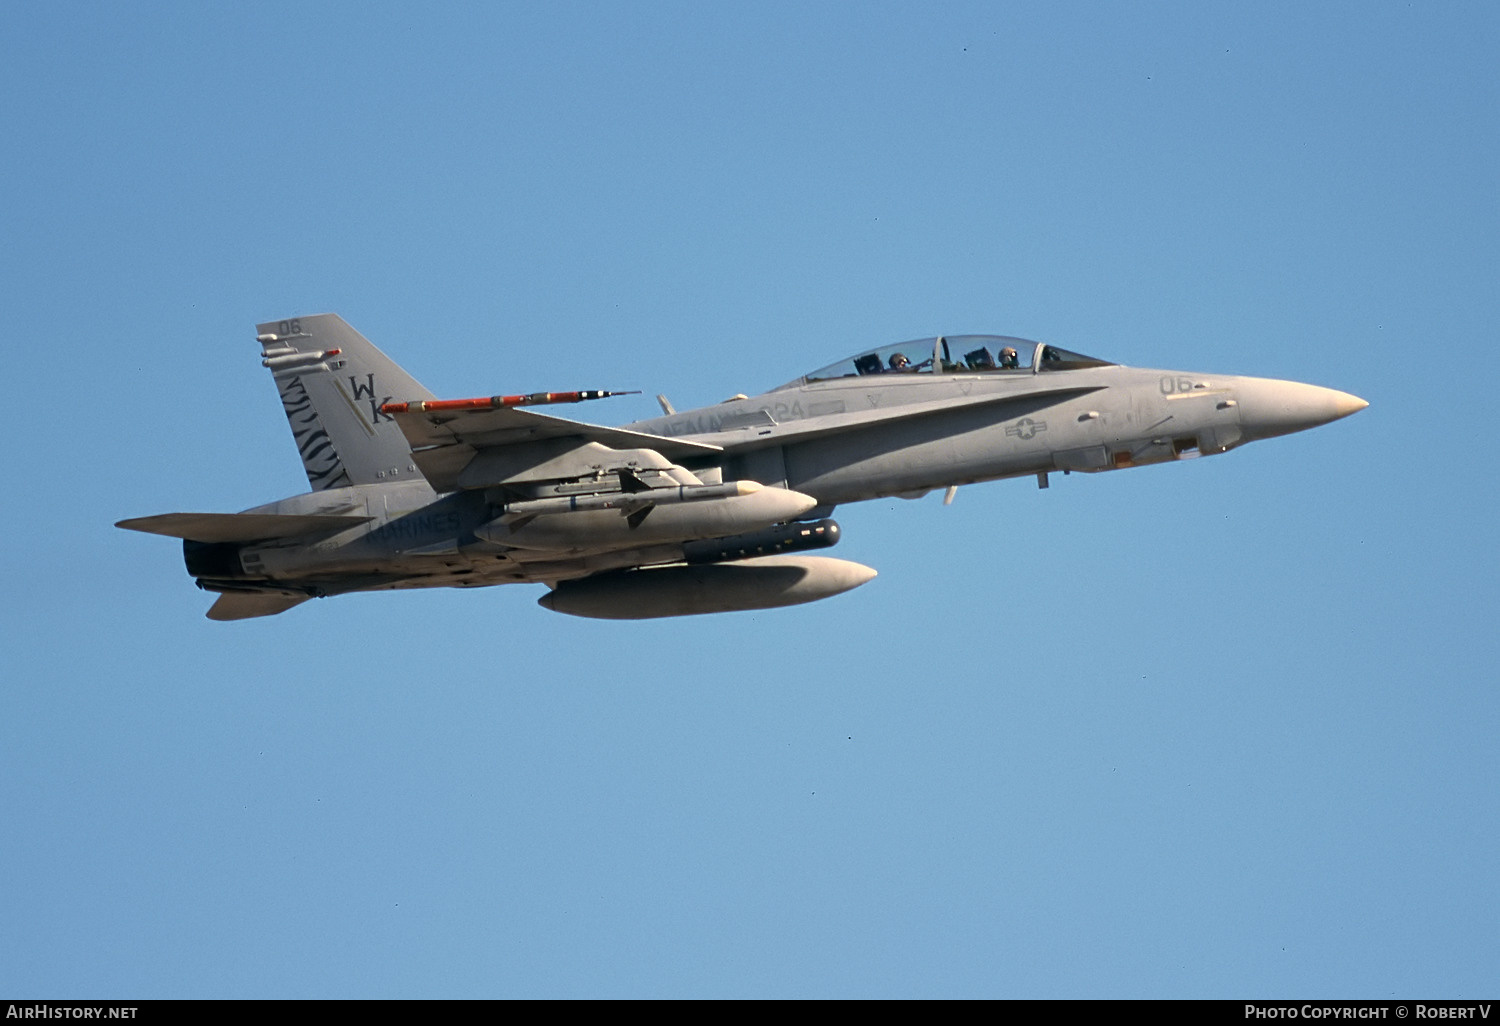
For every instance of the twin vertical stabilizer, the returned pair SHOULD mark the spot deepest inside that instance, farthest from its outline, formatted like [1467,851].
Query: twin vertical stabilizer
[333,382]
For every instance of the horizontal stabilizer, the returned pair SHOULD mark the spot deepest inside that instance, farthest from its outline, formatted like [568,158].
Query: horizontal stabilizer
[243,605]
[239,527]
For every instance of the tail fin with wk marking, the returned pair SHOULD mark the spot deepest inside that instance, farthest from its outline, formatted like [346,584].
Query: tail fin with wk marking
[332,383]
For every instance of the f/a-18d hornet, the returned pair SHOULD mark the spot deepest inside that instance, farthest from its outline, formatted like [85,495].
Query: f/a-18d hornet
[703,511]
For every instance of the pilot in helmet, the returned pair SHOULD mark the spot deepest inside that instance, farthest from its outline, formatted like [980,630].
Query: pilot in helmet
[1008,357]
[899,362]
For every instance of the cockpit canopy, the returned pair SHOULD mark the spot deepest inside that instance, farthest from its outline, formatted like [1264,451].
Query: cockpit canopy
[956,354]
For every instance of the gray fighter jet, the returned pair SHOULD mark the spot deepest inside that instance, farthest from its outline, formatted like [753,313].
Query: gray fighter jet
[705,511]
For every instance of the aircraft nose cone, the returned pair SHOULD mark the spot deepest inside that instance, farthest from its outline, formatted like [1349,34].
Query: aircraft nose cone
[1346,404]
[1269,408]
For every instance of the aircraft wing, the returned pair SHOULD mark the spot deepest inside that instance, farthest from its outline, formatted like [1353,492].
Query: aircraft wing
[239,527]
[445,441]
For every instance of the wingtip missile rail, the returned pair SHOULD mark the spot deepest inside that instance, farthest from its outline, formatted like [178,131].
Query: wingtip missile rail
[498,401]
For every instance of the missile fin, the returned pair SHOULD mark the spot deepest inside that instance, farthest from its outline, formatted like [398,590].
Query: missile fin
[630,481]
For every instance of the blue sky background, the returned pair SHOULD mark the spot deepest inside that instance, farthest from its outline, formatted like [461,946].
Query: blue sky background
[1219,729]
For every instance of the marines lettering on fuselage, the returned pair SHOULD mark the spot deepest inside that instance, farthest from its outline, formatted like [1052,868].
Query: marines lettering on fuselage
[716,421]
[412,526]
[739,415]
